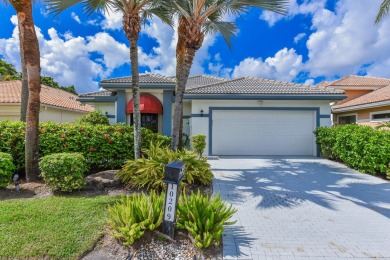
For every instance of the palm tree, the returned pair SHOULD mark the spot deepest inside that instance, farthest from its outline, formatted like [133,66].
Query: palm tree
[135,12]
[383,11]
[30,57]
[200,17]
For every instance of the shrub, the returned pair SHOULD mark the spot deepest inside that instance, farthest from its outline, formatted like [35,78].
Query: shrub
[360,147]
[199,143]
[134,214]
[94,118]
[148,171]
[63,171]
[104,147]
[6,169]
[204,217]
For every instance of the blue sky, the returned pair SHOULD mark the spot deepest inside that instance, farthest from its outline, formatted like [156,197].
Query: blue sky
[318,40]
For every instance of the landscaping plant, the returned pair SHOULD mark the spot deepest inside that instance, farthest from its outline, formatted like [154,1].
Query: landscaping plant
[134,214]
[361,147]
[63,171]
[148,172]
[6,169]
[198,143]
[94,118]
[204,217]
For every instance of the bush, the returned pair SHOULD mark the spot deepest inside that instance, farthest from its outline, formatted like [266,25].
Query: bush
[198,143]
[360,147]
[204,217]
[104,147]
[148,171]
[94,118]
[6,169]
[135,214]
[63,171]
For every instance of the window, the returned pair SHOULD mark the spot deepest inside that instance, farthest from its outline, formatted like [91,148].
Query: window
[149,121]
[343,120]
[381,116]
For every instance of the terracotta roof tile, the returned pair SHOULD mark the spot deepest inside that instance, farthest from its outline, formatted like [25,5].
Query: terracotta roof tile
[102,93]
[365,81]
[379,95]
[10,92]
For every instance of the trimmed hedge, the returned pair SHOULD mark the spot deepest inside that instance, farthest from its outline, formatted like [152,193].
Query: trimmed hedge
[104,147]
[6,169]
[361,147]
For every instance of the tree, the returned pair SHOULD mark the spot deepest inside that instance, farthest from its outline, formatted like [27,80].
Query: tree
[30,56]
[49,81]
[8,71]
[135,12]
[383,11]
[197,18]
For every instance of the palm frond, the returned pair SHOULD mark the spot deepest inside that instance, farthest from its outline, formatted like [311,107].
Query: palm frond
[90,6]
[227,30]
[383,11]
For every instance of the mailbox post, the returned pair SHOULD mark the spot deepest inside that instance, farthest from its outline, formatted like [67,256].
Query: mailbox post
[174,172]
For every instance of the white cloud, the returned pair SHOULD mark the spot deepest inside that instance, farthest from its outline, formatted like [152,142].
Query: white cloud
[307,7]
[299,37]
[75,17]
[345,41]
[309,82]
[285,65]
[112,20]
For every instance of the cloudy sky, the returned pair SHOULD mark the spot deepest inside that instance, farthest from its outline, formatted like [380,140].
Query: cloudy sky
[318,40]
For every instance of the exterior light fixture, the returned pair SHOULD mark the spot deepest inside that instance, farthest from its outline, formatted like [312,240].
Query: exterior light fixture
[201,113]
[106,114]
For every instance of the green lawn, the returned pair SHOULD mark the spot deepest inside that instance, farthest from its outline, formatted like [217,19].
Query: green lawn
[54,227]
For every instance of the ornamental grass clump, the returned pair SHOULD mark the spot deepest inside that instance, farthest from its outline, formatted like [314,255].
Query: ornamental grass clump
[7,168]
[148,171]
[134,214]
[63,171]
[204,217]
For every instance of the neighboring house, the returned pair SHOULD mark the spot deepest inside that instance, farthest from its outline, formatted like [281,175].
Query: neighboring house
[244,116]
[367,102]
[56,105]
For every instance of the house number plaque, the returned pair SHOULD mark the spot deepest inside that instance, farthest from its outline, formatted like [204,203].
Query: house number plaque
[174,172]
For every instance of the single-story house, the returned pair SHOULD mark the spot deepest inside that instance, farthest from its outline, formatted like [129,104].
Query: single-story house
[367,102]
[56,105]
[244,116]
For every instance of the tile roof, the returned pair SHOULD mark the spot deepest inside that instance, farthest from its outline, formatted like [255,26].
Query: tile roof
[101,93]
[379,95]
[201,80]
[10,92]
[144,78]
[363,81]
[249,85]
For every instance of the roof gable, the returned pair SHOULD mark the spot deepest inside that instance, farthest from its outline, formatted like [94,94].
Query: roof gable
[360,81]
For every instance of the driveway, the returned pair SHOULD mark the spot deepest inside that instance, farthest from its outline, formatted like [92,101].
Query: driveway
[292,208]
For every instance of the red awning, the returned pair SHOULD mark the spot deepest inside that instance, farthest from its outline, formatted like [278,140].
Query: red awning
[149,105]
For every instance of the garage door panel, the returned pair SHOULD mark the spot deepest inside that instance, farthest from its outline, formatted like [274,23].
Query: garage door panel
[263,132]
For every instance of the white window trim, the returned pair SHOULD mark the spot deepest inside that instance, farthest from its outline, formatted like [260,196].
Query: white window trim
[379,112]
[344,115]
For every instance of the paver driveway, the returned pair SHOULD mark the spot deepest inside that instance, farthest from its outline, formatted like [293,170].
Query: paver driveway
[291,208]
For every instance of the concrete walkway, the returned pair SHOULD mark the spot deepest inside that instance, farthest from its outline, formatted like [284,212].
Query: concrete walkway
[294,208]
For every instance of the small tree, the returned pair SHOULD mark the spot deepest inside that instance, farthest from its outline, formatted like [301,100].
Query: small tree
[94,118]
[198,143]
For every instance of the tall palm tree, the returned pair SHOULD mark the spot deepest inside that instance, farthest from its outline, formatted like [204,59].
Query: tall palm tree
[200,17]
[383,11]
[135,12]
[30,57]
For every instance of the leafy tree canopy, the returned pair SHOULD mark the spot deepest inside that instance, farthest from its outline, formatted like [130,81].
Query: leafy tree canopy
[8,72]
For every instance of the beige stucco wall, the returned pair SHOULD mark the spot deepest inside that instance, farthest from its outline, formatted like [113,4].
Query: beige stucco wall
[12,112]
[351,94]
[108,107]
[364,114]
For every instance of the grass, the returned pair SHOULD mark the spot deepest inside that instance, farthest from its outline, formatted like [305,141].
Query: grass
[54,227]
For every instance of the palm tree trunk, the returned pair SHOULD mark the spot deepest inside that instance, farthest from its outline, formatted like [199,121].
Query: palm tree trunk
[30,53]
[136,99]
[24,99]
[178,108]
[180,59]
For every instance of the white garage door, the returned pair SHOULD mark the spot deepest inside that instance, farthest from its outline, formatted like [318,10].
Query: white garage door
[263,132]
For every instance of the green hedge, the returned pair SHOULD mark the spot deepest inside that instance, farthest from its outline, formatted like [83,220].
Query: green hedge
[104,147]
[360,147]
[6,169]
